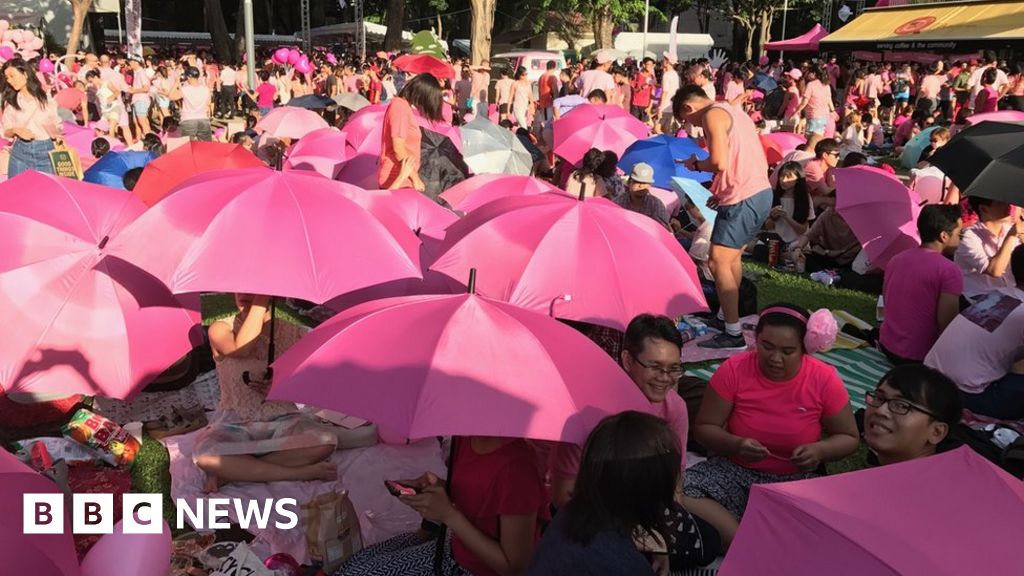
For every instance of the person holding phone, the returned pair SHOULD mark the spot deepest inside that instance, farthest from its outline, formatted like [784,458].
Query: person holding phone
[494,513]
[29,119]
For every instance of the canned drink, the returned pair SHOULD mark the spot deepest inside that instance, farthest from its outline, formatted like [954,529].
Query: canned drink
[773,253]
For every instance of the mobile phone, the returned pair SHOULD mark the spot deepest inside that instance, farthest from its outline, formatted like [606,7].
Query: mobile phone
[397,489]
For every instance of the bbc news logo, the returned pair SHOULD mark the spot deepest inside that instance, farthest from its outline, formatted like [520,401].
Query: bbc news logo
[144,513]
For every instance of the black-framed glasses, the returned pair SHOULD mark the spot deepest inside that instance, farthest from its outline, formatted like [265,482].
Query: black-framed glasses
[673,371]
[898,406]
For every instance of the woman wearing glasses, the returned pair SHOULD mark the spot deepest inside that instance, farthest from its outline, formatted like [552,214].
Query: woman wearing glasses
[910,414]
[764,412]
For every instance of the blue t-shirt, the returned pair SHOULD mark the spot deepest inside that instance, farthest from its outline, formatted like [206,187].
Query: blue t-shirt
[607,554]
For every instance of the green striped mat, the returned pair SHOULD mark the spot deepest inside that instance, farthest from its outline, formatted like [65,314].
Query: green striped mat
[860,369]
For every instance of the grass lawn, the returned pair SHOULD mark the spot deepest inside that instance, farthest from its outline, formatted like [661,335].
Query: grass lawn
[150,472]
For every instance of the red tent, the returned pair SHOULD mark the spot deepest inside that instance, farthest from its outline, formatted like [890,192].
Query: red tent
[807,42]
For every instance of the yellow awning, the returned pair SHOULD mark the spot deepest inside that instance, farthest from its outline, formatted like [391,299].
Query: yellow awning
[943,26]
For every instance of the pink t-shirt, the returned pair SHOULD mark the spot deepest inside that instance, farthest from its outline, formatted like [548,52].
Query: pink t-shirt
[195,102]
[565,457]
[780,415]
[914,279]
[794,101]
[816,173]
[265,94]
[733,90]
[930,86]
[597,80]
[987,100]
[746,172]
[981,344]
[817,95]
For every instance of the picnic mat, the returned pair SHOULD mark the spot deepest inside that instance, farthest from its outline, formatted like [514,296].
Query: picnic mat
[203,391]
[860,369]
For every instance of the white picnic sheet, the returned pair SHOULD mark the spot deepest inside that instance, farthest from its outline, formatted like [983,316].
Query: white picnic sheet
[361,471]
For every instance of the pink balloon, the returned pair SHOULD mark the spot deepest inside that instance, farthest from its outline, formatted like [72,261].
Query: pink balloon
[281,55]
[29,54]
[136,554]
[45,66]
[293,56]
[4,25]
[6,52]
[37,44]
[17,35]
[8,35]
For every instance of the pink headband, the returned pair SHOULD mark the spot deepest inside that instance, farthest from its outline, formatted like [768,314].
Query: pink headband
[786,311]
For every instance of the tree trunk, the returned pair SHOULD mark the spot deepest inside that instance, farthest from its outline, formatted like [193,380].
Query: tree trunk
[482,21]
[764,31]
[218,30]
[603,26]
[81,9]
[395,22]
[703,15]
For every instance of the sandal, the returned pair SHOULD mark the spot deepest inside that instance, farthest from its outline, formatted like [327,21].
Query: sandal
[181,421]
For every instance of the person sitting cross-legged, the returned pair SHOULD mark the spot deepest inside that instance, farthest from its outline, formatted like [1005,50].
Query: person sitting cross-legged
[922,288]
[982,350]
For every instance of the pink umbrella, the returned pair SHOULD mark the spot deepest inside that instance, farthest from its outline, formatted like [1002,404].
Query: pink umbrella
[909,518]
[321,151]
[428,221]
[1000,116]
[474,192]
[591,261]
[466,365]
[80,139]
[79,318]
[30,554]
[363,134]
[881,211]
[290,122]
[277,233]
[590,126]
[778,144]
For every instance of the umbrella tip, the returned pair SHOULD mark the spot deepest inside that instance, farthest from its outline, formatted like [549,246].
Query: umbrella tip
[472,281]
[103,243]
[417,231]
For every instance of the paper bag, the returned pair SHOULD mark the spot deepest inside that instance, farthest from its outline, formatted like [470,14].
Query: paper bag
[332,529]
[66,162]
[242,562]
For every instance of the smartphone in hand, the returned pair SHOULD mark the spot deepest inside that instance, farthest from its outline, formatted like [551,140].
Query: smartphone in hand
[397,489]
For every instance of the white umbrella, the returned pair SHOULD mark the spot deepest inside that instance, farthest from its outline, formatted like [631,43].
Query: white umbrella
[491,149]
[352,101]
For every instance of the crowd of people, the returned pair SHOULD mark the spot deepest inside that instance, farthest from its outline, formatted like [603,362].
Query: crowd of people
[954,320]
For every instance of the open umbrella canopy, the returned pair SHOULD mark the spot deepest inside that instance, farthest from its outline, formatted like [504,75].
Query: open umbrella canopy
[881,211]
[591,126]
[70,98]
[590,261]
[778,144]
[163,174]
[78,317]
[911,154]
[110,169]
[806,42]
[36,554]
[311,102]
[466,365]
[986,160]
[491,149]
[322,151]
[425,64]
[908,518]
[474,192]
[290,122]
[442,165]
[998,116]
[661,153]
[351,101]
[267,232]
[80,139]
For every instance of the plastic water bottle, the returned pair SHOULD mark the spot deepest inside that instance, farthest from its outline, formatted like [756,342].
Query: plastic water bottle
[823,277]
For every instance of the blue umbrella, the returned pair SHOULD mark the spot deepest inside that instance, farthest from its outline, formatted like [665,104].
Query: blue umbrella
[697,194]
[312,102]
[109,170]
[661,153]
[764,82]
[912,150]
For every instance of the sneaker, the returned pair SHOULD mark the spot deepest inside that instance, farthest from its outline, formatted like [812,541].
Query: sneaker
[725,341]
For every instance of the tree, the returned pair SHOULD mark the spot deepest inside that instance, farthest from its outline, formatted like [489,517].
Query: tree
[395,22]
[750,16]
[482,21]
[218,29]
[81,10]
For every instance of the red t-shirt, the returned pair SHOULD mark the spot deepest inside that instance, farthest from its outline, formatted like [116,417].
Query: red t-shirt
[399,122]
[485,487]
[780,415]
[546,89]
[642,87]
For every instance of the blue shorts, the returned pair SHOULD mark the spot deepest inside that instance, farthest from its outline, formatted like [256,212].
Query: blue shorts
[1002,399]
[816,125]
[141,108]
[738,224]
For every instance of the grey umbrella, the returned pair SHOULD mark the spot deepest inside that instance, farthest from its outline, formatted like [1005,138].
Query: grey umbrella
[352,101]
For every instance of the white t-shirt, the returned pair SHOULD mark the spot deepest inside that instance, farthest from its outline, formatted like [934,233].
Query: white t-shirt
[669,86]
[977,248]
[227,76]
[782,227]
[195,102]
[975,81]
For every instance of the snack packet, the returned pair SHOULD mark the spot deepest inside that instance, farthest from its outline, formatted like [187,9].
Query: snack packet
[95,431]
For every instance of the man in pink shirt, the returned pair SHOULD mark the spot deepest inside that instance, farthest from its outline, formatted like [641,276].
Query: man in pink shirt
[651,355]
[820,172]
[598,78]
[982,350]
[481,81]
[741,194]
[922,288]
[928,92]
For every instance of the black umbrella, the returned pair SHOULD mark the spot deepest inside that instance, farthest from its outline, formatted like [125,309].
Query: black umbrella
[312,102]
[764,82]
[441,163]
[986,160]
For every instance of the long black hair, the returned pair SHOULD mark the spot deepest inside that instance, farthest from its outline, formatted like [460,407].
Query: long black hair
[801,197]
[34,87]
[423,92]
[591,164]
[627,480]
